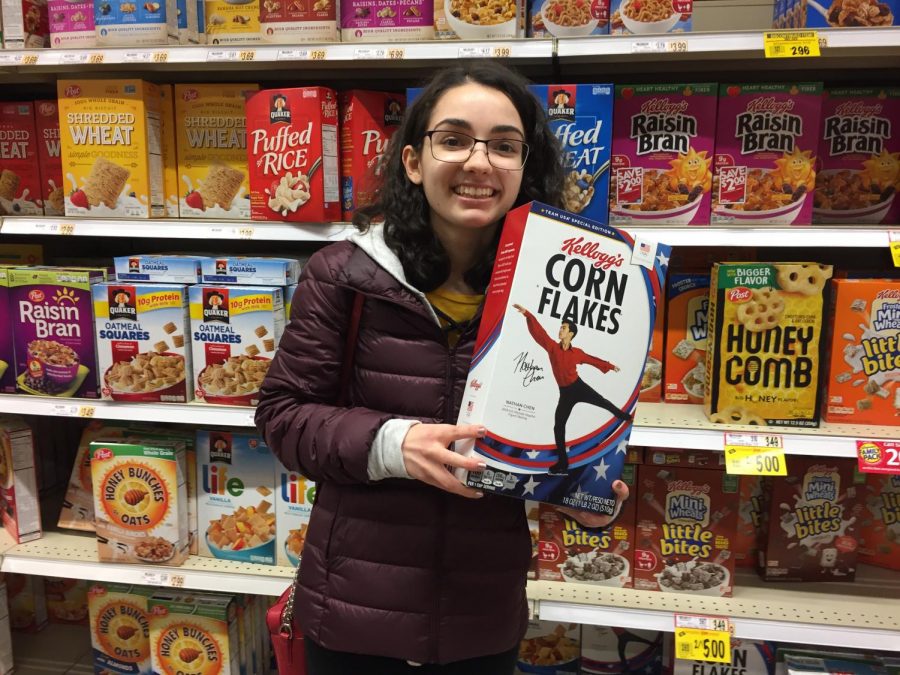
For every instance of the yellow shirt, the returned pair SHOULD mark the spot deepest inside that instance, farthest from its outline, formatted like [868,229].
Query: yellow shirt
[459,307]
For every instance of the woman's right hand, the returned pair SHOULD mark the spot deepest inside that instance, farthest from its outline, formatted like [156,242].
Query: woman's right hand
[428,458]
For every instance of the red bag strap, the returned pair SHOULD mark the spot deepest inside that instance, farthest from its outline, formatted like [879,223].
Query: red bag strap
[350,346]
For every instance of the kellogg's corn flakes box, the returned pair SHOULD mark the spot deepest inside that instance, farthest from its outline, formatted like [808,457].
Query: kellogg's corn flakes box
[764,343]
[644,17]
[293,506]
[46,117]
[549,646]
[879,531]
[567,18]
[20,178]
[686,329]
[228,23]
[120,628]
[292,22]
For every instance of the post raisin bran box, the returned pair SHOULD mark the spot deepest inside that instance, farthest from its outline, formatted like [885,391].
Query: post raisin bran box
[20,179]
[292,146]
[662,154]
[120,628]
[879,531]
[20,516]
[293,506]
[294,21]
[7,352]
[686,328]
[169,153]
[46,117]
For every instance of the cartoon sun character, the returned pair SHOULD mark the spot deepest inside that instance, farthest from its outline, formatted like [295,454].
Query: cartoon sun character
[796,170]
[882,170]
[691,171]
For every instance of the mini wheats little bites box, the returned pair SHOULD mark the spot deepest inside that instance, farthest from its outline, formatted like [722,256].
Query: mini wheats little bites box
[686,321]
[662,154]
[46,117]
[560,356]
[766,142]
[293,504]
[292,146]
[120,628]
[20,178]
[879,531]
[764,343]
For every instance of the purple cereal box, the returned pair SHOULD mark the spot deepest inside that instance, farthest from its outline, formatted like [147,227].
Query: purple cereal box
[662,154]
[53,330]
[71,24]
[383,21]
[7,356]
[766,142]
[859,157]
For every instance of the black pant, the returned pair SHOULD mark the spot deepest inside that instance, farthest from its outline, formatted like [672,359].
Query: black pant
[321,661]
[577,392]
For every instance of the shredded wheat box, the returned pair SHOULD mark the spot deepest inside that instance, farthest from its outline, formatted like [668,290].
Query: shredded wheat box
[46,117]
[229,23]
[111,148]
[169,154]
[72,24]
[295,21]
[66,600]
[120,628]
[596,291]
[879,529]
[293,506]
[764,343]
[20,179]
[250,271]
[550,647]
[27,603]
[618,651]
[159,269]
[21,516]
[212,150]
[684,372]
[7,353]
[25,24]
[129,24]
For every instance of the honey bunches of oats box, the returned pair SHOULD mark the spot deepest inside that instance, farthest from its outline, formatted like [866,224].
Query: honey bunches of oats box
[293,504]
[120,628]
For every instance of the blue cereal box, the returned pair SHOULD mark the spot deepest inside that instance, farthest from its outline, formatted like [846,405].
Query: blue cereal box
[649,17]
[250,271]
[130,24]
[159,269]
[848,13]
[568,18]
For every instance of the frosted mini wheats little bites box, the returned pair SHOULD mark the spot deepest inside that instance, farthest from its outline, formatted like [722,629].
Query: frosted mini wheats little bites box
[560,356]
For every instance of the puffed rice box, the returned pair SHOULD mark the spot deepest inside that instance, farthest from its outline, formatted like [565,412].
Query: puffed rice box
[380,21]
[549,646]
[234,333]
[879,529]
[293,506]
[129,24]
[46,117]
[642,17]
[684,370]
[72,24]
[7,353]
[250,271]
[21,516]
[567,18]
[25,24]
[20,178]
[292,149]
[293,22]
[120,628]
[159,269]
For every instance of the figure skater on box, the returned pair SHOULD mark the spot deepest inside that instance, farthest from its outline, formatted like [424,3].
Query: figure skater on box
[564,358]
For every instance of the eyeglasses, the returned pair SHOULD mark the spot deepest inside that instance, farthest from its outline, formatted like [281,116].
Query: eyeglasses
[457,147]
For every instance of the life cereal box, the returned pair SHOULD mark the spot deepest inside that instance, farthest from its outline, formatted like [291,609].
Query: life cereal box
[46,117]
[686,522]
[864,376]
[293,506]
[580,116]
[292,148]
[262,271]
[212,150]
[766,142]
[859,157]
[567,18]
[293,21]
[140,502]
[879,530]
[228,23]
[549,646]
[381,21]
[66,600]
[20,516]
[617,651]
[124,24]
[111,148]
[7,353]
[643,17]
[596,291]
[72,24]
[750,505]
[27,602]
[25,24]
[159,269]
[686,327]
[234,333]
[20,179]
[169,153]
[764,343]
[120,628]
[368,121]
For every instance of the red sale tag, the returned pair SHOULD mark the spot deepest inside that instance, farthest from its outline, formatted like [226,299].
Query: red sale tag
[878,456]
[630,185]
[732,184]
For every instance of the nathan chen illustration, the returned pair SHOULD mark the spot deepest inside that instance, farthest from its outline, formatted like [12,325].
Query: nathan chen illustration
[564,359]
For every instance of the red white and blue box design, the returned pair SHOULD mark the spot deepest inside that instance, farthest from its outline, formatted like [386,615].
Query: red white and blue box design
[560,356]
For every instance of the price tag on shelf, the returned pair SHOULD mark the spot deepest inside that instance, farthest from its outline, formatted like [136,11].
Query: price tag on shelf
[755,455]
[702,638]
[164,579]
[247,55]
[503,52]
[86,411]
[396,54]
[64,410]
[878,456]
[791,44]
[894,243]
[66,229]
[137,57]
[367,53]
[244,232]
[648,46]
[97,57]
[29,59]
[474,52]
[677,46]
[222,55]
[160,57]
[69,58]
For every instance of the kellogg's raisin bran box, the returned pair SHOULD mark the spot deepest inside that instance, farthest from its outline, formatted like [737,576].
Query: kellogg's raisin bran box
[859,156]
[595,290]
[7,353]
[686,327]
[368,120]
[879,531]
[766,142]
[292,147]
[662,154]
[290,22]
[46,118]
[20,179]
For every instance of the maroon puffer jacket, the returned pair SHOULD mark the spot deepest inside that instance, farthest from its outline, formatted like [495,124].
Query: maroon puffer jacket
[396,567]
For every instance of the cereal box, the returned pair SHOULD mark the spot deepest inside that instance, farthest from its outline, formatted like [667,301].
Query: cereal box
[293,22]
[292,149]
[473,20]
[159,269]
[368,120]
[169,153]
[859,157]
[549,645]
[662,154]
[643,17]
[72,24]
[66,600]
[234,333]
[533,516]
[289,291]
[20,515]
[7,354]
[653,370]
[812,522]
[580,116]
[250,271]
[686,327]
[140,502]
[13,255]
[686,522]
[748,657]
[379,21]
[228,23]
[6,653]
[25,24]
[20,179]
[750,505]
[111,148]
[212,150]
[596,290]
[617,651]
[46,117]
[567,18]
[766,142]
[120,628]
[845,14]
[764,344]
[864,371]
[53,334]
[879,529]
[130,24]
[27,602]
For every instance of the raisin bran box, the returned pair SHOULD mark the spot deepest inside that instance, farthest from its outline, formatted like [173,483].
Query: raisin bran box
[46,118]
[368,121]
[20,514]
[617,651]
[293,505]
[7,353]
[642,17]
[294,22]
[292,148]
[120,628]
[859,157]
[684,370]
[879,531]
[20,179]
[662,154]
[595,290]
[766,143]
[567,18]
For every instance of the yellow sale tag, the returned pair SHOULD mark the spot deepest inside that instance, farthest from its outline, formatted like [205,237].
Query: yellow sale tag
[702,645]
[791,44]
[755,454]
[894,238]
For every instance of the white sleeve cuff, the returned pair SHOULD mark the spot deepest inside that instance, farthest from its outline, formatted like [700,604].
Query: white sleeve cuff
[386,455]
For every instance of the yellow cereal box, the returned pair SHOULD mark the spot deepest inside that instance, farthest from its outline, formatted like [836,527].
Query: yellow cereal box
[169,155]
[111,149]
[765,342]
[120,628]
[229,23]
[685,364]
[212,150]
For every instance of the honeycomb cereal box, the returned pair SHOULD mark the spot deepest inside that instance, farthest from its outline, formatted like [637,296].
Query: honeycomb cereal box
[750,505]
[130,24]
[25,24]
[212,150]
[864,376]
[686,327]
[765,343]
[20,179]
[120,628]
[72,24]
[231,24]
[617,651]
[550,647]
[140,502]
[641,17]
[368,121]
[292,147]
[27,603]
[46,118]
[662,154]
[381,21]
[234,333]
[859,157]
[766,142]
[879,531]
[567,18]
[66,600]
[169,153]
[292,21]
[7,353]
[111,148]
[20,516]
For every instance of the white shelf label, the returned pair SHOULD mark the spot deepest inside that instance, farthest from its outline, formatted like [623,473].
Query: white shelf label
[72,59]
[138,57]
[755,440]
[222,55]
[10,59]
[648,46]
[164,579]
[365,53]
[696,622]
[474,52]
[301,55]
[64,410]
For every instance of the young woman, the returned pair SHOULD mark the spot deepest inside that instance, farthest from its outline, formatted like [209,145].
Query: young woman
[402,564]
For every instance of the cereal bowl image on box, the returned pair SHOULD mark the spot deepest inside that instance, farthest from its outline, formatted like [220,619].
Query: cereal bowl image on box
[549,648]
[874,212]
[647,17]
[696,577]
[572,18]
[467,19]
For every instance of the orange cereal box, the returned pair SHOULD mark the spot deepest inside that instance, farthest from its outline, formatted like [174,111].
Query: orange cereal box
[20,179]
[879,531]
[120,628]
[684,374]
[46,119]
[864,377]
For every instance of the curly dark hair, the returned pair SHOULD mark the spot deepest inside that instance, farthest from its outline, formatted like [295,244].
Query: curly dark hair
[402,204]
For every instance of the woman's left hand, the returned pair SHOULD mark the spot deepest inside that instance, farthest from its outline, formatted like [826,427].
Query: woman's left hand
[588,519]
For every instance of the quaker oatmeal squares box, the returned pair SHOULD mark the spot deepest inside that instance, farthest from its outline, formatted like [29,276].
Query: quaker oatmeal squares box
[72,24]
[765,343]
[169,153]
[478,19]
[66,600]
[130,24]
[879,529]
[686,327]
[766,142]
[642,17]
[595,288]
[377,21]
[295,21]
[46,117]
[212,150]
[662,154]
[20,516]
[230,24]
[549,645]
[7,354]
[27,603]
[251,271]
[293,505]
[120,628]
[292,148]
[567,18]
[859,156]
[750,506]
[25,24]
[111,148]
[159,269]
[20,179]
[617,651]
